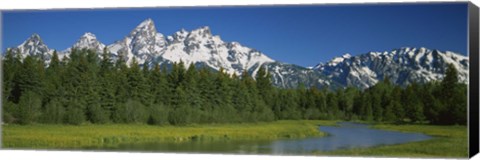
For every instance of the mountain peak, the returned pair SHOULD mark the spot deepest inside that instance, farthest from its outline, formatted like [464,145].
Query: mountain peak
[35,36]
[178,36]
[205,28]
[346,55]
[202,31]
[419,65]
[408,49]
[147,26]
[33,40]
[144,43]
[89,35]
[34,46]
[88,41]
[147,22]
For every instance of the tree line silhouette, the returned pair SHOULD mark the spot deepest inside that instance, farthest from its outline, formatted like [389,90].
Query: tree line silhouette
[84,88]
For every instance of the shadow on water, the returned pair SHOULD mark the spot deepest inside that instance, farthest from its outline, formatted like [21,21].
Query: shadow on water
[345,135]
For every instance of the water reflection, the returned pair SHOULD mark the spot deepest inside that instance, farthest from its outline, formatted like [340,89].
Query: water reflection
[346,135]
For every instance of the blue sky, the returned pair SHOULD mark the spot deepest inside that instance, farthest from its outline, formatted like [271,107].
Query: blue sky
[302,35]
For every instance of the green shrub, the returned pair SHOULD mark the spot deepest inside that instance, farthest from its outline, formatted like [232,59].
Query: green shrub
[29,108]
[96,114]
[131,112]
[54,112]
[75,114]
[158,114]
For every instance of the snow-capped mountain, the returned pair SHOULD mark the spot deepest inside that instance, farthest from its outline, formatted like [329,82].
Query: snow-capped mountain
[200,47]
[34,46]
[143,43]
[86,41]
[89,41]
[291,76]
[403,66]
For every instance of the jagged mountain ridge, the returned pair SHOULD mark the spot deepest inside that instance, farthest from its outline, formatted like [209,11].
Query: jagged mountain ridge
[200,47]
[87,41]
[34,46]
[402,66]
[143,43]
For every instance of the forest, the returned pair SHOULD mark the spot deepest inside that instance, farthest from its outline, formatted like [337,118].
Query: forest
[91,88]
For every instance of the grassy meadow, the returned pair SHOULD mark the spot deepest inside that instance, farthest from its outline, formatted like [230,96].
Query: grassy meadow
[41,136]
[447,141]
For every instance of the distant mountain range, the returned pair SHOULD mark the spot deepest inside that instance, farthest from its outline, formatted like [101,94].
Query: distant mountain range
[145,44]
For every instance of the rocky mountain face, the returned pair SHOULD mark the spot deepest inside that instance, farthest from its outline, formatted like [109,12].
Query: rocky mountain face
[403,66]
[86,41]
[143,43]
[89,41]
[202,48]
[34,46]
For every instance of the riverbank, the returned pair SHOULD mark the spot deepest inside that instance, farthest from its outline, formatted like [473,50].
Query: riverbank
[41,136]
[448,141]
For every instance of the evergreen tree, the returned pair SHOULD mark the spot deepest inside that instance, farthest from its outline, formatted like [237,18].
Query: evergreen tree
[264,85]
[120,81]
[367,105]
[358,110]
[29,108]
[159,87]
[413,105]
[332,103]
[11,64]
[449,83]
[191,87]
[397,108]
[107,84]
[453,95]
[349,101]
[30,76]
[222,98]
[137,84]
[84,88]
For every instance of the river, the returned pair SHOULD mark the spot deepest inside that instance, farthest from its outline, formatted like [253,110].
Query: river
[345,135]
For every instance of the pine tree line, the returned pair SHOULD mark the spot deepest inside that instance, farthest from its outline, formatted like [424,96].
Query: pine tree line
[84,88]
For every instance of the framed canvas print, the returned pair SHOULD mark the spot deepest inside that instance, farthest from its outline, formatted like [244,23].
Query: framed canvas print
[372,80]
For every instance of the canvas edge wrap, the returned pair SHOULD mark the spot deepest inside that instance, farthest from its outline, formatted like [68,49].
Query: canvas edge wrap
[473,52]
[1,78]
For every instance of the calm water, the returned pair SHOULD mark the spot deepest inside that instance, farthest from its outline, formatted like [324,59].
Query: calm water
[346,135]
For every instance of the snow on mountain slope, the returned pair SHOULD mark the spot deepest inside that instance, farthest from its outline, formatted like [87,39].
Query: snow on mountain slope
[291,76]
[143,43]
[403,66]
[148,46]
[86,41]
[200,46]
[89,41]
[34,46]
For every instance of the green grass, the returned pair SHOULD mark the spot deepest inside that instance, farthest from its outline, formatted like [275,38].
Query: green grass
[40,136]
[447,141]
